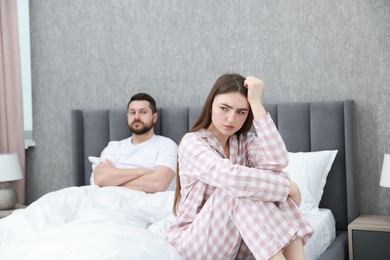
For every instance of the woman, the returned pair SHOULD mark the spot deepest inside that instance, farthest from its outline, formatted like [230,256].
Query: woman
[232,198]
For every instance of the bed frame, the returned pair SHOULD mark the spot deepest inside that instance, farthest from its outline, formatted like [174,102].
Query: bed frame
[304,126]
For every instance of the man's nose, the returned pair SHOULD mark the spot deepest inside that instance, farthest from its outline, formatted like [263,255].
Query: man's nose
[137,115]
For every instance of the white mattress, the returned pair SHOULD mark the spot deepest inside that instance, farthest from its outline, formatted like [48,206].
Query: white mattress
[324,226]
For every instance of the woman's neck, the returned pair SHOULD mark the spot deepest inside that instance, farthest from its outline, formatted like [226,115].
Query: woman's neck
[223,140]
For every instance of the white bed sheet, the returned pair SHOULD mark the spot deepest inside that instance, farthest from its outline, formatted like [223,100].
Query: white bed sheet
[324,225]
[82,223]
[89,222]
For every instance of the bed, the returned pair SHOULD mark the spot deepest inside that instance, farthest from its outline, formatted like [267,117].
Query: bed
[115,223]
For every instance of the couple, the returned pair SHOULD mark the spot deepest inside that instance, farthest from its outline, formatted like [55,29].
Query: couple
[232,199]
[232,196]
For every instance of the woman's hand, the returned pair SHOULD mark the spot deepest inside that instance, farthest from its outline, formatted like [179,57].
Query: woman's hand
[255,88]
[295,193]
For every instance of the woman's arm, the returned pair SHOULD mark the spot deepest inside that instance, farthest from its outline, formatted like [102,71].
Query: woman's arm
[199,160]
[267,150]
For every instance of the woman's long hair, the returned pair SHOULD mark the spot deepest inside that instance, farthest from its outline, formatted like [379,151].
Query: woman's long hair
[226,83]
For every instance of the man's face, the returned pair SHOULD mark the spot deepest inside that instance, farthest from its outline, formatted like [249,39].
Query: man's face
[140,118]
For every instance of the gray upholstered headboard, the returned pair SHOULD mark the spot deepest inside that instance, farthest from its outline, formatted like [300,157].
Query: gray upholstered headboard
[305,127]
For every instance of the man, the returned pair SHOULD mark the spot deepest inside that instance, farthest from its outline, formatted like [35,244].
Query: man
[144,161]
[98,223]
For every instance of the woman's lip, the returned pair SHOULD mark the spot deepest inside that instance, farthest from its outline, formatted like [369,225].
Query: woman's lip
[229,126]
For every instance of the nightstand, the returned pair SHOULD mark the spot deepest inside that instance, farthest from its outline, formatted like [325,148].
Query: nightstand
[4,213]
[369,238]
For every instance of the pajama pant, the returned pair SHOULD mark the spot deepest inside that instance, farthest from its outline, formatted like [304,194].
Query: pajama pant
[240,228]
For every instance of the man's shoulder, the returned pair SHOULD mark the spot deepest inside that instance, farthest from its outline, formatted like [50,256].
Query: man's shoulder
[119,142]
[164,139]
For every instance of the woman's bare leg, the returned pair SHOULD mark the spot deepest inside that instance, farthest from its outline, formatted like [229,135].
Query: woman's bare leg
[295,250]
[278,256]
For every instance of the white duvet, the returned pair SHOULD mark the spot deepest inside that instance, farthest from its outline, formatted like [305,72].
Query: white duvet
[88,222]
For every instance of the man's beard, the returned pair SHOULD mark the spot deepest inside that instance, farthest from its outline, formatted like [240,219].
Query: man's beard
[140,131]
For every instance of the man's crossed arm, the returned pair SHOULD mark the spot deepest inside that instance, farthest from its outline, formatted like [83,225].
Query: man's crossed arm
[147,180]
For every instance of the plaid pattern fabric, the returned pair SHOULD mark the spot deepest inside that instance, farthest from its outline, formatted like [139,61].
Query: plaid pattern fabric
[235,208]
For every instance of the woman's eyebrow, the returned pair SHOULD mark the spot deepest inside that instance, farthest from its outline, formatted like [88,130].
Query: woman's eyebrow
[226,105]
[239,109]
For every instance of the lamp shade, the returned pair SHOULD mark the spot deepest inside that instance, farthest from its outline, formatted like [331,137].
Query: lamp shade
[385,176]
[9,167]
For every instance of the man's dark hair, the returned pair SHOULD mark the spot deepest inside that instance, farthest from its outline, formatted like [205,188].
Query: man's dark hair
[146,97]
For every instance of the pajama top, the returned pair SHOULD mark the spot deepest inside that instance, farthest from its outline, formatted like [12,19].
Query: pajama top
[235,207]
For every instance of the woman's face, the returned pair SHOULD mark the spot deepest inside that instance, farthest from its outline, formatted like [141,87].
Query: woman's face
[229,112]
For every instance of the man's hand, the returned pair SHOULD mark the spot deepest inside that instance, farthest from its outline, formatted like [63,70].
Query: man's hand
[156,182]
[105,164]
[107,174]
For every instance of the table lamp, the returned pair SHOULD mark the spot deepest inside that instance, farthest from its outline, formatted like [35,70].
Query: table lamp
[385,176]
[9,171]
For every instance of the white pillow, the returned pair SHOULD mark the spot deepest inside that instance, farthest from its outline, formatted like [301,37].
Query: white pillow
[309,170]
[94,160]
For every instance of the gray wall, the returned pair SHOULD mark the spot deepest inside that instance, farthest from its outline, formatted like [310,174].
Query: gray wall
[96,54]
